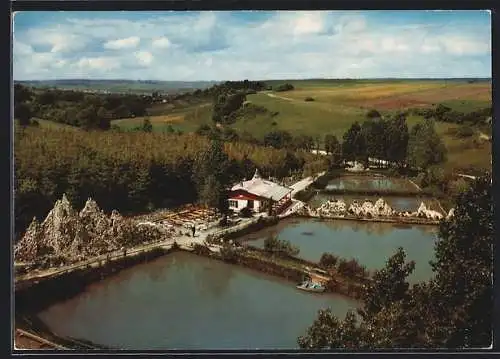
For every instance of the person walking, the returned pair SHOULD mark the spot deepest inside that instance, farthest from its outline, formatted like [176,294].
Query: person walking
[193,228]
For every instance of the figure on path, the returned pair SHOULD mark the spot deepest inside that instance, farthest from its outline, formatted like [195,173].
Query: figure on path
[193,228]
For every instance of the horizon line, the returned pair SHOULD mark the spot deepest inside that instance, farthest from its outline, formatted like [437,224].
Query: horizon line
[269,79]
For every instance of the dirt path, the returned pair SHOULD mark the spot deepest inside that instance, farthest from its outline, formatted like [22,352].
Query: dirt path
[466,176]
[281,97]
[304,183]
[484,136]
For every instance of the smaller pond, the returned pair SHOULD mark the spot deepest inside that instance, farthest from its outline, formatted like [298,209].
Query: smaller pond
[364,183]
[400,204]
[371,243]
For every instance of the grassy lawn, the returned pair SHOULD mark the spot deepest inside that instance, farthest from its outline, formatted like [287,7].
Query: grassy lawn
[463,153]
[466,105]
[186,119]
[299,117]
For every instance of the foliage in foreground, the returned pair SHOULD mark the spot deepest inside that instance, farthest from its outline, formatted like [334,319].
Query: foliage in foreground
[452,310]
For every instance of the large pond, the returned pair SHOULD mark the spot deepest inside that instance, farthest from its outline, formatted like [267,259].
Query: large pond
[181,301]
[365,183]
[371,243]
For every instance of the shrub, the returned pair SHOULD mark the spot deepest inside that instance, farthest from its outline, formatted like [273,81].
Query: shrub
[351,268]
[201,249]
[228,253]
[457,186]
[464,131]
[373,114]
[328,260]
[332,285]
[246,212]
[280,247]
[284,87]
[308,99]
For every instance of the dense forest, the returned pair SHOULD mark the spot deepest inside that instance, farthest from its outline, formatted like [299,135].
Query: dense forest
[135,171]
[75,108]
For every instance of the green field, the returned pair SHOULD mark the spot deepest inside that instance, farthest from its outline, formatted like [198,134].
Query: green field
[338,103]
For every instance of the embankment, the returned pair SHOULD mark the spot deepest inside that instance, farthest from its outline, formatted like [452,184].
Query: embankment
[397,220]
[245,228]
[290,268]
[67,285]
[30,300]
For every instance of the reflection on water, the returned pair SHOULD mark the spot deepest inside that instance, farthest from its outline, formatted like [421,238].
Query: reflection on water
[372,243]
[187,302]
[367,183]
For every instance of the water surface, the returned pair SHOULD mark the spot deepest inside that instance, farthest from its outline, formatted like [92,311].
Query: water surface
[368,183]
[181,301]
[371,243]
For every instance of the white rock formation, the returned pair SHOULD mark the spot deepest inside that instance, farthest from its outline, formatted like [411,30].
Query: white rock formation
[451,213]
[382,208]
[74,236]
[428,213]
[335,208]
[29,246]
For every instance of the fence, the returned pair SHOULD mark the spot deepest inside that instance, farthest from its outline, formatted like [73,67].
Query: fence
[112,256]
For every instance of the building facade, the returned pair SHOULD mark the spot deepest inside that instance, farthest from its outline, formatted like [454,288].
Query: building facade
[259,195]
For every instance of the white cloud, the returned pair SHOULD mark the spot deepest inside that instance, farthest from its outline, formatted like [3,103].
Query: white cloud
[20,48]
[126,43]
[457,45]
[161,43]
[309,23]
[57,40]
[98,63]
[144,57]
[217,46]
[43,59]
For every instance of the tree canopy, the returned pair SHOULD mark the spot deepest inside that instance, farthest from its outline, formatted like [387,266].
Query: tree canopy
[354,145]
[453,309]
[425,147]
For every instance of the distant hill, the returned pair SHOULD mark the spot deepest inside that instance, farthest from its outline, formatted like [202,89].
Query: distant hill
[322,82]
[120,86]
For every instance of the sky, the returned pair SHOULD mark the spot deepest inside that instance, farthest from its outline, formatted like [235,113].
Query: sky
[254,45]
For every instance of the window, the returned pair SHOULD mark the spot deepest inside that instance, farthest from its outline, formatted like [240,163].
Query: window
[233,204]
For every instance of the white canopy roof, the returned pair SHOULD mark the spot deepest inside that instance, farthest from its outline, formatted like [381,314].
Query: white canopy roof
[263,188]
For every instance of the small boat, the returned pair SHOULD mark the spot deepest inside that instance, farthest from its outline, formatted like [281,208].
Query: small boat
[311,287]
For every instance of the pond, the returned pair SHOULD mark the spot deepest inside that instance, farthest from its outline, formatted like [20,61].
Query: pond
[182,301]
[371,243]
[365,183]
